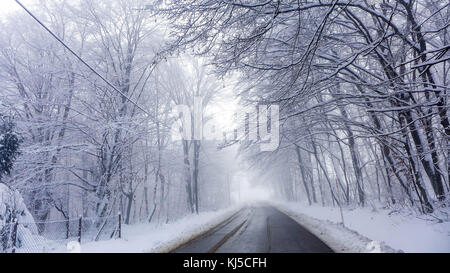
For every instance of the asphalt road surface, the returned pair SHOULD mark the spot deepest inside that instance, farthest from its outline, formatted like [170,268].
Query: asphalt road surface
[256,229]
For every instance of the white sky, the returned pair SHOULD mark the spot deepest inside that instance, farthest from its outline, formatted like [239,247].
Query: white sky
[7,6]
[222,109]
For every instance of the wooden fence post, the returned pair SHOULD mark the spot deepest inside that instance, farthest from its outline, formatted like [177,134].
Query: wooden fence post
[120,225]
[14,235]
[80,220]
[67,228]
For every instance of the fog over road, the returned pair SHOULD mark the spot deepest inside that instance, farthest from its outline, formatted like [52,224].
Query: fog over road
[256,229]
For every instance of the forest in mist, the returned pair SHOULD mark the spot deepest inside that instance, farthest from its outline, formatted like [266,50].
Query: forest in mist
[361,88]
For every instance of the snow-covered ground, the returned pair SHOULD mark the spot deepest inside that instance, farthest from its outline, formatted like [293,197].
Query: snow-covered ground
[158,238]
[366,229]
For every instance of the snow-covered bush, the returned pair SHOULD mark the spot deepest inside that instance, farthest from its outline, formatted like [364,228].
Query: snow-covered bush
[13,207]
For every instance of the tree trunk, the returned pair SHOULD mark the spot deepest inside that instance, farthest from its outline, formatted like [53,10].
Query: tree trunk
[187,173]
[302,171]
[196,172]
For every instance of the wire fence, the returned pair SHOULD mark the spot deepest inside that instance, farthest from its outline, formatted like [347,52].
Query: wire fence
[54,236]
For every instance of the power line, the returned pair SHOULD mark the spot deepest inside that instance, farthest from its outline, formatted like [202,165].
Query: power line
[80,59]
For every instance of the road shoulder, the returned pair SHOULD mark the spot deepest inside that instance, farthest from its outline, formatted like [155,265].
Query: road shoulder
[338,237]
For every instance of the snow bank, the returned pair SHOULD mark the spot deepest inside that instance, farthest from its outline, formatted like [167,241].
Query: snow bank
[363,226]
[159,238]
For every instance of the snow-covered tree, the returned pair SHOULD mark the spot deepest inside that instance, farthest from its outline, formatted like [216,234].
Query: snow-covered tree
[9,145]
